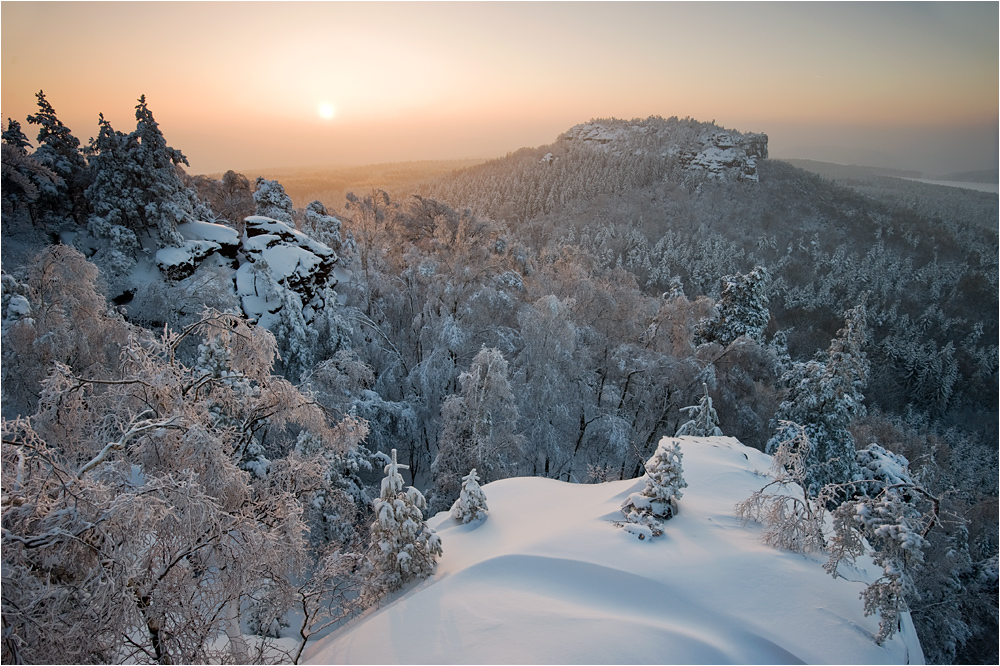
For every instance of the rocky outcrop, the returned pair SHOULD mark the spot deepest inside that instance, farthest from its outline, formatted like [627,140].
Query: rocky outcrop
[726,154]
[278,258]
[701,149]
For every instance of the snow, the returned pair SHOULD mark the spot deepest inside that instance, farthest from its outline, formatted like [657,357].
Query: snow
[283,260]
[549,578]
[190,253]
[207,231]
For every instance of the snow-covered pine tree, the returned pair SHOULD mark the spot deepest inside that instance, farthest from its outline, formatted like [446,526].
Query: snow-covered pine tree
[826,394]
[742,309]
[322,226]
[471,504]
[664,480]
[15,138]
[137,197]
[272,201]
[21,172]
[704,420]
[403,546]
[166,199]
[59,151]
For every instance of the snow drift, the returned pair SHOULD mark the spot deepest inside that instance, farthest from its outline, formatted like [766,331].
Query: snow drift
[549,578]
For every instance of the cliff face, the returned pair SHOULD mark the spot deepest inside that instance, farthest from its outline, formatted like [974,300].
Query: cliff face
[727,154]
[702,149]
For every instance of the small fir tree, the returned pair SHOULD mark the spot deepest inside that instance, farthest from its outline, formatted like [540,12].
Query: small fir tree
[704,419]
[471,504]
[403,546]
[658,500]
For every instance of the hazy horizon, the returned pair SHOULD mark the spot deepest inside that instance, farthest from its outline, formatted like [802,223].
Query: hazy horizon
[250,86]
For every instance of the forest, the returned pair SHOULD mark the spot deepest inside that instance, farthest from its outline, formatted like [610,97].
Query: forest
[195,368]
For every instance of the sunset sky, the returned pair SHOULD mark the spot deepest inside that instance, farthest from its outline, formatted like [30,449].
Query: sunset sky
[249,85]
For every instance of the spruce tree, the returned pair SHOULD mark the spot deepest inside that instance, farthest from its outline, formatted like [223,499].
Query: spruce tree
[471,503]
[742,309]
[59,151]
[825,395]
[664,481]
[403,546]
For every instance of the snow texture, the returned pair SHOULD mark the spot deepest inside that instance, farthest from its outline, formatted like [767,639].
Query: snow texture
[563,585]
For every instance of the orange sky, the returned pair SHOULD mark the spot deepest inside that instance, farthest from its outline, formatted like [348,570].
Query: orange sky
[240,84]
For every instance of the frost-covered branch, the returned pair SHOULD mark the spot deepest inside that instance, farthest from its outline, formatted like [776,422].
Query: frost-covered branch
[137,429]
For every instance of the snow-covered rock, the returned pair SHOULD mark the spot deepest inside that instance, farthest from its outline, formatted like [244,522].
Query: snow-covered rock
[550,579]
[278,258]
[226,237]
[177,263]
[725,153]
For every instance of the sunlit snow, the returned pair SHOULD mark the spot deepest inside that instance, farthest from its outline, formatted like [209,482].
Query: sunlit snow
[549,578]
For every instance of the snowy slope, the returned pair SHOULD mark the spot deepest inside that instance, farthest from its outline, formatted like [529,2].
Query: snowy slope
[547,578]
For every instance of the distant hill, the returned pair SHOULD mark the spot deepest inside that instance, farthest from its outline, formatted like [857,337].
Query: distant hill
[842,171]
[983,176]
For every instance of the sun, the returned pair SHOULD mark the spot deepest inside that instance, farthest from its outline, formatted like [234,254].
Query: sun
[327,111]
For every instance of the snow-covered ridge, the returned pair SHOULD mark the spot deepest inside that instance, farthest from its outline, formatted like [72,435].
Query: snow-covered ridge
[549,578]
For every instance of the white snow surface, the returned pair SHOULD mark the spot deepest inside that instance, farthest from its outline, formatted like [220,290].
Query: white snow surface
[548,578]
[219,233]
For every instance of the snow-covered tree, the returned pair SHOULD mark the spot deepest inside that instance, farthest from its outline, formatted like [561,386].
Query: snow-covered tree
[825,395]
[885,515]
[891,527]
[272,202]
[59,151]
[704,420]
[130,532]
[60,316]
[322,226]
[339,511]
[478,429]
[135,182]
[792,518]
[166,201]
[21,175]
[15,138]
[742,309]
[403,546]
[664,480]
[471,504]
